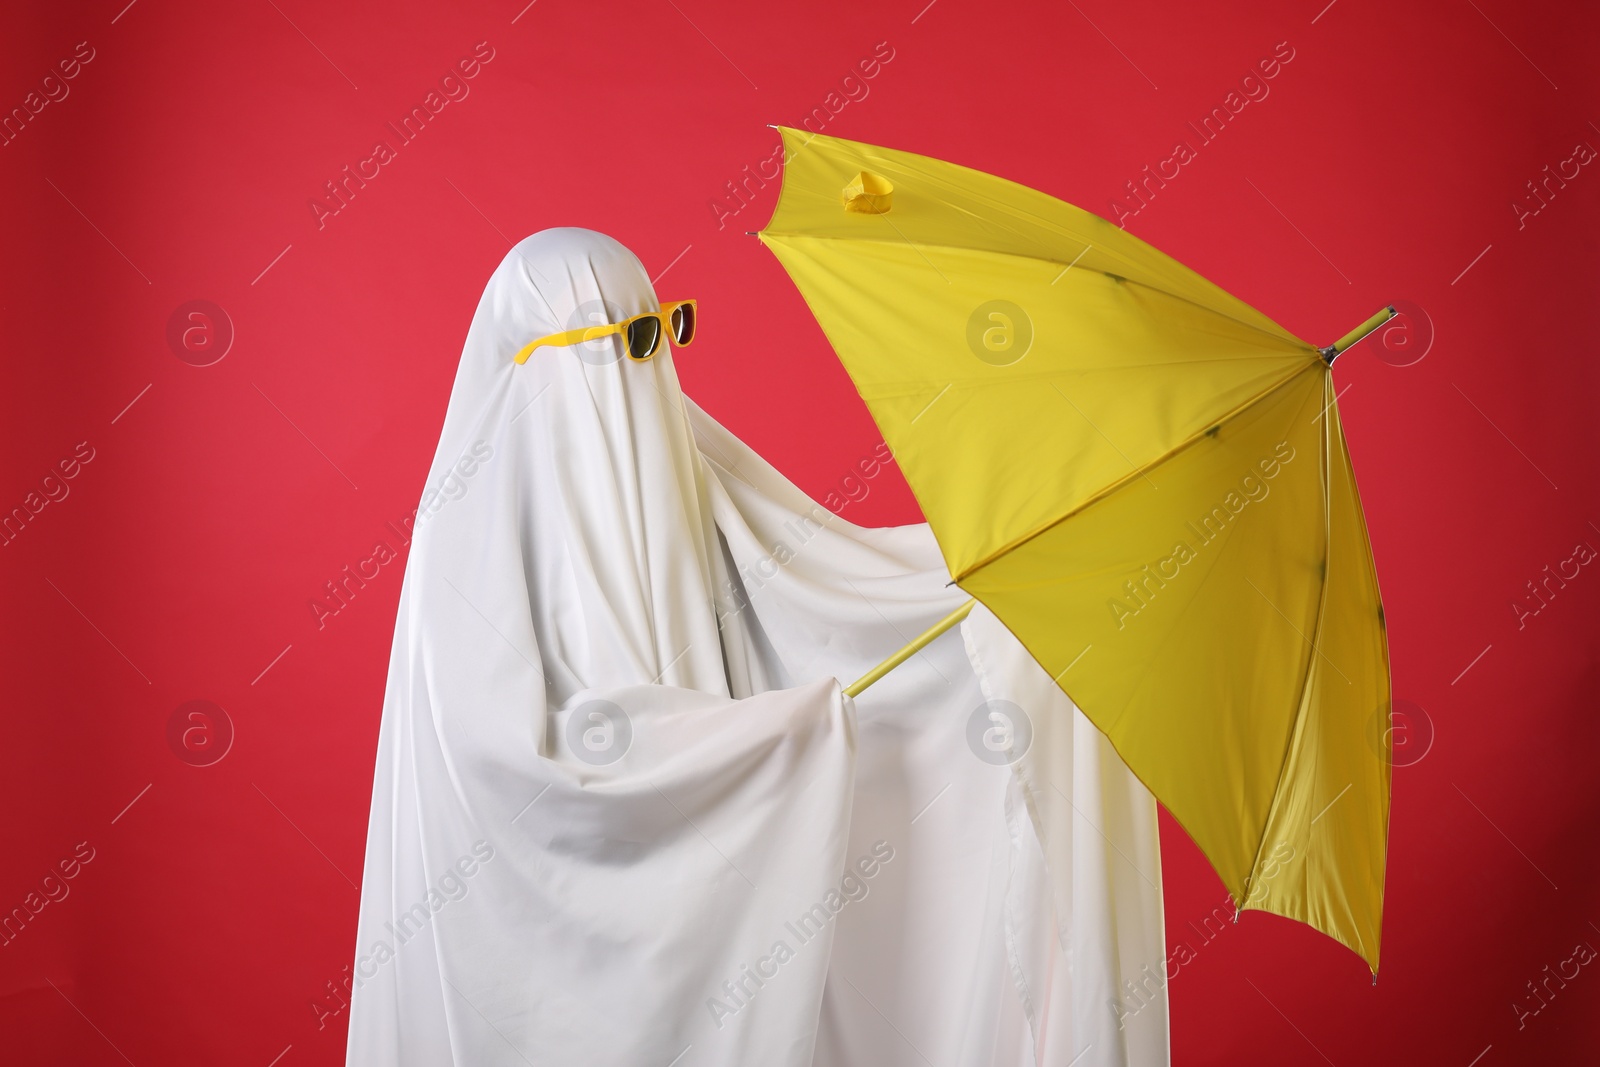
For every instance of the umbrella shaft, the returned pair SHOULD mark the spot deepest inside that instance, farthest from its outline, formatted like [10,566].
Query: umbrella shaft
[916,645]
[1358,333]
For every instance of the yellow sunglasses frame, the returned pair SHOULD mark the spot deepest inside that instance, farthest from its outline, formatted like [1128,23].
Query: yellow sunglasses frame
[613,329]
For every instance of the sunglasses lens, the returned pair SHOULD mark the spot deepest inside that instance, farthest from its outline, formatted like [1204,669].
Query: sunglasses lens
[643,336]
[683,324]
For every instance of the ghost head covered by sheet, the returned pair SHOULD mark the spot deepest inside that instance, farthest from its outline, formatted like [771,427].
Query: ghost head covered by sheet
[596,486]
[622,812]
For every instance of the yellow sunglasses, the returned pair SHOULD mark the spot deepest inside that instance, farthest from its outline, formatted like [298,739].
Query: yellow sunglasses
[641,332]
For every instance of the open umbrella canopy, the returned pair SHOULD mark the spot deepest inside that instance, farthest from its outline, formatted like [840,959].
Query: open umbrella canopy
[1146,480]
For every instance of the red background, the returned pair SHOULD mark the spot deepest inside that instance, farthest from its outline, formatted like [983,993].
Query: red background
[181,566]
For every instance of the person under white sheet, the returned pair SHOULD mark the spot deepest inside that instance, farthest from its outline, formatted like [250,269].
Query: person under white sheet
[622,812]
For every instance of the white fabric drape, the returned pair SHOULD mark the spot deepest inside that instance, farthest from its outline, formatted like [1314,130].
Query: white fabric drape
[622,813]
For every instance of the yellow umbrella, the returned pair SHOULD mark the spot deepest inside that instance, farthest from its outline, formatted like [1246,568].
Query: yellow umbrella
[1146,480]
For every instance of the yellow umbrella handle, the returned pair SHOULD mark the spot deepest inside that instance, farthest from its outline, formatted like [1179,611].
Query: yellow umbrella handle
[910,650]
[1357,334]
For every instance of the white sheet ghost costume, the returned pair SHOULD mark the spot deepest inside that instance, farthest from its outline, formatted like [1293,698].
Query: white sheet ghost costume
[622,813]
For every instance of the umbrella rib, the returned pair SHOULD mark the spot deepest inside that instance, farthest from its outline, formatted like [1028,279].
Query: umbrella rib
[1120,482]
[1205,580]
[1272,807]
[1074,263]
[1118,749]
[1305,681]
[889,390]
[1032,258]
[1297,629]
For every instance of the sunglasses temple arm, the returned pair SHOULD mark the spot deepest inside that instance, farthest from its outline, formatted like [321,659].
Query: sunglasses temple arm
[570,337]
